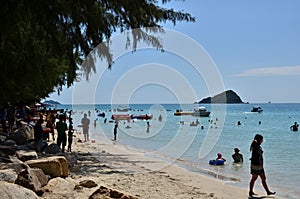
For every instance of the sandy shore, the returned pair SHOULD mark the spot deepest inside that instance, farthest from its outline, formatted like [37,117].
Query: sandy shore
[111,165]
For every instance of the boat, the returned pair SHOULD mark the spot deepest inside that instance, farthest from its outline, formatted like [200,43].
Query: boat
[142,117]
[121,117]
[123,109]
[180,112]
[200,112]
[101,114]
[256,109]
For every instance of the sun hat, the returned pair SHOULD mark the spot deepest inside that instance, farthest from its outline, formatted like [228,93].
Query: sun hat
[236,149]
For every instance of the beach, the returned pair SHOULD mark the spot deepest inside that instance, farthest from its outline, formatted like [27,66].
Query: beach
[112,166]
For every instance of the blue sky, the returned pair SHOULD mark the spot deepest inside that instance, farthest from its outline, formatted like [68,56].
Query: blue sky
[255,46]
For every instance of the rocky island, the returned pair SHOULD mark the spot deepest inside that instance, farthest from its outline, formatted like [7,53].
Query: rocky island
[226,97]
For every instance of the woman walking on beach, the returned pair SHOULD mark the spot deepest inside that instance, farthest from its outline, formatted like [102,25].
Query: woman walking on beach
[257,168]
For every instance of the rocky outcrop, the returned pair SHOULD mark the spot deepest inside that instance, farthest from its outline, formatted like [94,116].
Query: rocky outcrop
[56,166]
[33,179]
[21,135]
[52,149]
[59,188]
[10,190]
[8,175]
[26,155]
[227,97]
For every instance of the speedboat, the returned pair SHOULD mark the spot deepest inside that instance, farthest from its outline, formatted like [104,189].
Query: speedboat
[142,117]
[256,109]
[180,112]
[200,112]
[121,117]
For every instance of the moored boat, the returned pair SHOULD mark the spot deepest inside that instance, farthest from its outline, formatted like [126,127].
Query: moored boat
[142,117]
[179,113]
[121,117]
[200,112]
[257,109]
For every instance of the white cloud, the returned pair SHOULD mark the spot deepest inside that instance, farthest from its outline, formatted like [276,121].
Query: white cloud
[271,71]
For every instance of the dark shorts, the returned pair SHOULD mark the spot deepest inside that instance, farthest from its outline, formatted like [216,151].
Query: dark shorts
[62,140]
[257,170]
[11,122]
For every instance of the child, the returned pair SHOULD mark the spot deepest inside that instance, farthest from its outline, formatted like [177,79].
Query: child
[70,137]
[220,157]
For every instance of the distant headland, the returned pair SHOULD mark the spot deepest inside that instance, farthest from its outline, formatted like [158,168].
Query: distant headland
[226,97]
[52,102]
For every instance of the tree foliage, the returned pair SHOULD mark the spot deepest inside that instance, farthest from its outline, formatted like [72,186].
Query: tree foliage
[42,42]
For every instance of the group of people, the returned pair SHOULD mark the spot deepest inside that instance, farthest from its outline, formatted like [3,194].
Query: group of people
[65,133]
[256,166]
[237,156]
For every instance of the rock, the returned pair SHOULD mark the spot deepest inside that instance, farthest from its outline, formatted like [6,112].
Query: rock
[88,184]
[41,145]
[26,155]
[32,178]
[105,193]
[8,175]
[10,190]
[59,188]
[4,159]
[7,150]
[21,135]
[23,147]
[52,149]
[15,164]
[37,146]
[227,97]
[10,143]
[56,166]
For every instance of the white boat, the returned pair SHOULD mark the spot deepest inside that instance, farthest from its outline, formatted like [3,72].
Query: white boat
[200,112]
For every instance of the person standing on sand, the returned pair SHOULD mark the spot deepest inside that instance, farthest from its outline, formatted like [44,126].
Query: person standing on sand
[85,127]
[70,137]
[115,131]
[38,130]
[61,128]
[257,168]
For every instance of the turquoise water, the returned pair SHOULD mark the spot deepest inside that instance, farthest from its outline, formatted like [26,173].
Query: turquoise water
[192,147]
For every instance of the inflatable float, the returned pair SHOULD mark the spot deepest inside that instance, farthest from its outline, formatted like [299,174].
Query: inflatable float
[216,162]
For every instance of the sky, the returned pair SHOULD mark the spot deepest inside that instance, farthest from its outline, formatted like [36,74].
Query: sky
[251,47]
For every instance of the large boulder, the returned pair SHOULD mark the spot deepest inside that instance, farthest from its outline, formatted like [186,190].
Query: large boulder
[21,135]
[27,155]
[7,150]
[11,191]
[33,179]
[52,149]
[59,188]
[15,164]
[38,146]
[56,166]
[8,175]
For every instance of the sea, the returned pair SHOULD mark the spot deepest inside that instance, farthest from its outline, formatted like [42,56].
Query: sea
[174,140]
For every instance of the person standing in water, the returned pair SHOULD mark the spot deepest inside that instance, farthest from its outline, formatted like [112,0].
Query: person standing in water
[257,168]
[237,157]
[85,127]
[294,127]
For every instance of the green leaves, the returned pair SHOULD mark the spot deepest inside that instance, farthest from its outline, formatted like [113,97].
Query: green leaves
[42,43]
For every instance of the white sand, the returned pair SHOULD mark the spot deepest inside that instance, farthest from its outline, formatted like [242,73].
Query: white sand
[113,166]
